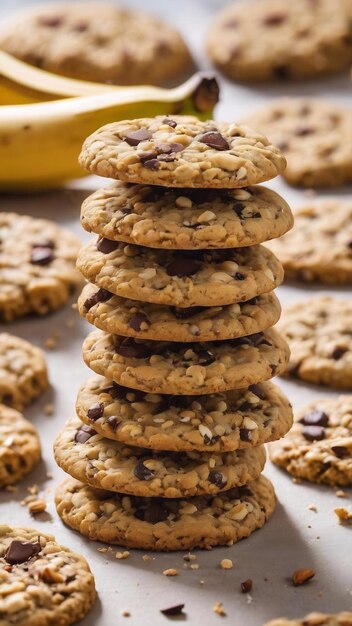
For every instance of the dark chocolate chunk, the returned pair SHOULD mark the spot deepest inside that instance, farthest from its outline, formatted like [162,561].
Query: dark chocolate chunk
[315,418]
[213,139]
[173,610]
[182,267]
[107,245]
[155,512]
[113,422]
[41,255]
[338,353]
[258,391]
[135,137]
[84,433]
[247,585]
[302,131]
[52,21]
[96,411]
[131,349]
[275,19]
[340,451]
[239,276]
[313,433]
[142,472]
[137,320]
[238,208]
[102,295]
[217,478]
[170,122]
[282,71]
[21,551]
[205,357]
[147,156]
[245,434]
[181,314]
[206,95]
[151,164]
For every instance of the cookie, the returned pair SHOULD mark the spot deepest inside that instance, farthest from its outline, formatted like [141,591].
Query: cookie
[219,422]
[183,279]
[315,619]
[319,248]
[191,368]
[106,464]
[37,260]
[158,217]
[42,583]
[97,41]
[166,524]
[131,318]
[249,41]
[315,137]
[19,447]
[23,371]
[319,446]
[181,152]
[319,335]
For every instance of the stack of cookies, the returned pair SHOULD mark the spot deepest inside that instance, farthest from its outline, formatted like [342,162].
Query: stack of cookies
[166,451]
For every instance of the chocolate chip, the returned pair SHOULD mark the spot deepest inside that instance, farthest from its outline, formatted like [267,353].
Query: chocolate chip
[167,158]
[213,139]
[206,95]
[239,276]
[313,433]
[315,418]
[52,21]
[173,610]
[182,314]
[147,156]
[247,585]
[151,164]
[107,245]
[238,208]
[113,422]
[96,411]
[142,472]
[338,353]
[21,551]
[84,433]
[102,295]
[41,255]
[251,302]
[205,357]
[182,267]
[155,512]
[340,451]
[303,131]
[258,391]
[169,122]
[131,349]
[274,19]
[245,434]
[134,138]
[349,244]
[137,320]
[217,478]
[282,72]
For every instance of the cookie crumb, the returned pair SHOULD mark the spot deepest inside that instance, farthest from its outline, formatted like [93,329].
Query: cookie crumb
[296,481]
[173,610]
[302,576]
[33,490]
[312,507]
[48,409]
[125,613]
[170,572]
[11,488]
[194,566]
[219,609]
[189,557]
[146,558]
[343,515]
[122,555]
[37,506]
[226,564]
[247,585]
[50,343]
[103,550]
[340,493]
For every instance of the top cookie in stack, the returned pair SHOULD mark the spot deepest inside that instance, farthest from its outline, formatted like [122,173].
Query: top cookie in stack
[181,292]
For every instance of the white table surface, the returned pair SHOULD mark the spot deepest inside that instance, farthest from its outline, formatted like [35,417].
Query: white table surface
[295,537]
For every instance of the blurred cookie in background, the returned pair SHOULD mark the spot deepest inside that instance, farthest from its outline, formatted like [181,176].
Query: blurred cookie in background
[265,40]
[98,42]
[319,247]
[315,137]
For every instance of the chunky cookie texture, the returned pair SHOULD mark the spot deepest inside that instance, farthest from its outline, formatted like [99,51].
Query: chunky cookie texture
[23,371]
[249,41]
[41,582]
[315,137]
[315,619]
[166,524]
[107,464]
[141,320]
[19,447]
[319,446]
[177,368]
[183,279]
[319,335]
[181,152]
[319,248]
[161,217]
[96,41]
[37,261]
[217,422]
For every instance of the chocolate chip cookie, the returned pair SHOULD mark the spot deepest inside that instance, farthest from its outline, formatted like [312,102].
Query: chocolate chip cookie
[97,41]
[219,422]
[315,137]
[178,368]
[315,619]
[319,335]
[159,217]
[267,40]
[42,583]
[166,524]
[319,248]
[183,279]
[319,446]
[19,447]
[107,464]
[23,371]
[181,152]
[37,261]
[142,320]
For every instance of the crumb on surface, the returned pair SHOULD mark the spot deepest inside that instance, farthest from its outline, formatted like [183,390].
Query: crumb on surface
[170,572]
[226,564]
[219,609]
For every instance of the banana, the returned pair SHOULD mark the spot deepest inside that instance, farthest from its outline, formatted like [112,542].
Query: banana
[40,143]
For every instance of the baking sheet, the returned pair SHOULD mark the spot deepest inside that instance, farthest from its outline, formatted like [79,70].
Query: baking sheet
[295,537]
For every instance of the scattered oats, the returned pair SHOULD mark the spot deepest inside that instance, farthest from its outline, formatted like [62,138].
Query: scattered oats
[170,572]
[312,507]
[341,494]
[226,564]
[189,557]
[48,409]
[122,555]
[343,515]
[125,613]
[219,609]
[194,566]
[37,506]
[146,558]
[302,576]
